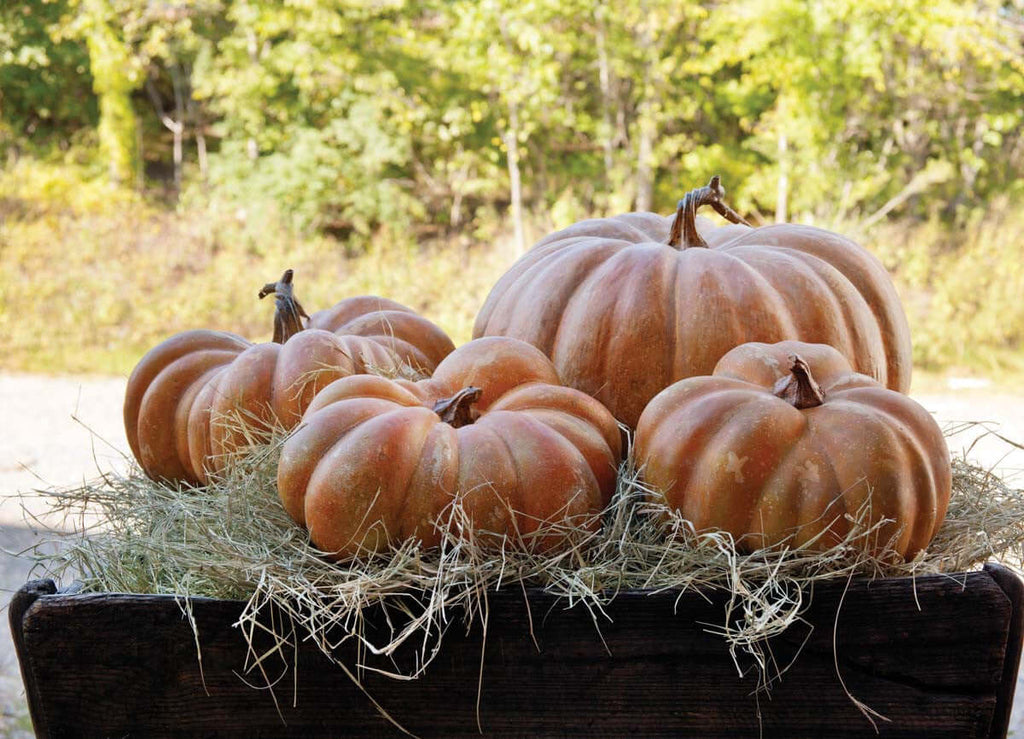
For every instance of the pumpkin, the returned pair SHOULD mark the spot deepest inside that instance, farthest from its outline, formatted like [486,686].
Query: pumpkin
[785,442]
[625,306]
[376,461]
[184,389]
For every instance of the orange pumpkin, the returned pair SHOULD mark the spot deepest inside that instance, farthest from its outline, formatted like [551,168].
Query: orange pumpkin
[376,461]
[626,306]
[785,442]
[184,388]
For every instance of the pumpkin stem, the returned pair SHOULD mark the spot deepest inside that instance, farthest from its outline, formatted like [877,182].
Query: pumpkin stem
[799,388]
[684,228]
[288,314]
[458,409]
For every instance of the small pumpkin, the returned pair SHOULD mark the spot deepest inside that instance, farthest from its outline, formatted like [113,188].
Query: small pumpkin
[625,306]
[376,460]
[787,442]
[183,388]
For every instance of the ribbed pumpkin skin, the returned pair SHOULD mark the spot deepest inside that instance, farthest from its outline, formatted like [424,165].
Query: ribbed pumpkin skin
[182,387]
[417,341]
[623,315]
[372,464]
[728,454]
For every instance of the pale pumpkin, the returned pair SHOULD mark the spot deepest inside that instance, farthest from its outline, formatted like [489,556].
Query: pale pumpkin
[185,397]
[625,306]
[376,461]
[786,443]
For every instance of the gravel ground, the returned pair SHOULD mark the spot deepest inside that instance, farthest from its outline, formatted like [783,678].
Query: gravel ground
[70,429]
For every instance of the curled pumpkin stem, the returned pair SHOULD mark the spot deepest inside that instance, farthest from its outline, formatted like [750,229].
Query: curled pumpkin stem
[457,411]
[288,313]
[684,228]
[799,388]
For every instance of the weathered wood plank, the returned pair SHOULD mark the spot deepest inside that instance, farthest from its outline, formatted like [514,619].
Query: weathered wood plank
[104,665]
[1014,589]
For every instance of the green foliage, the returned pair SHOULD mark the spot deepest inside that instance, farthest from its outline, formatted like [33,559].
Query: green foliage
[44,76]
[822,111]
[867,96]
[337,126]
[114,77]
[328,178]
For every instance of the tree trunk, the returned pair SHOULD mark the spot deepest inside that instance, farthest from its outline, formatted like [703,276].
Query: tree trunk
[175,125]
[605,79]
[644,172]
[511,138]
[179,118]
[198,125]
[110,64]
[457,185]
[646,124]
[252,147]
[201,151]
[782,194]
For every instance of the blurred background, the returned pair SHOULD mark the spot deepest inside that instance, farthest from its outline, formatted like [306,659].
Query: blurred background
[163,159]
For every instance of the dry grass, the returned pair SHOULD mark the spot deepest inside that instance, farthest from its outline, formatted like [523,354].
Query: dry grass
[110,275]
[233,540]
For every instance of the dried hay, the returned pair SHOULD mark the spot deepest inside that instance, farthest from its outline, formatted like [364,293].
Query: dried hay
[233,540]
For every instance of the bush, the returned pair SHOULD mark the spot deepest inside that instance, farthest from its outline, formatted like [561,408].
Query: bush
[91,276]
[961,287]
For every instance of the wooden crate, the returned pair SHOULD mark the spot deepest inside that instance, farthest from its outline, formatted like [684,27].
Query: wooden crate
[937,657]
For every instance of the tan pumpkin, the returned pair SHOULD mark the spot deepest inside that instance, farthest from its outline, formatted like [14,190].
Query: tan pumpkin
[185,396]
[626,306]
[784,442]
[376,461]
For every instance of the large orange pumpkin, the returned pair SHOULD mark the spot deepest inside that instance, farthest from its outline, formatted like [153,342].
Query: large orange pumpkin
[185,396]
[626,306]
[376,461]
[786,442]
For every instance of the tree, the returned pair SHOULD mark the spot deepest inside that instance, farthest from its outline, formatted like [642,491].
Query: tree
[45,83]
[171,36]
[310,114]
[115,76]
[866,105]
[504,49]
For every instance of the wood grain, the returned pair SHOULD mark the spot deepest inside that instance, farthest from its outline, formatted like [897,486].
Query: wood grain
[936,656]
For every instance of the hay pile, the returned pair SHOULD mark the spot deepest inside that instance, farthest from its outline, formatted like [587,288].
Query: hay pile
[233,540]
